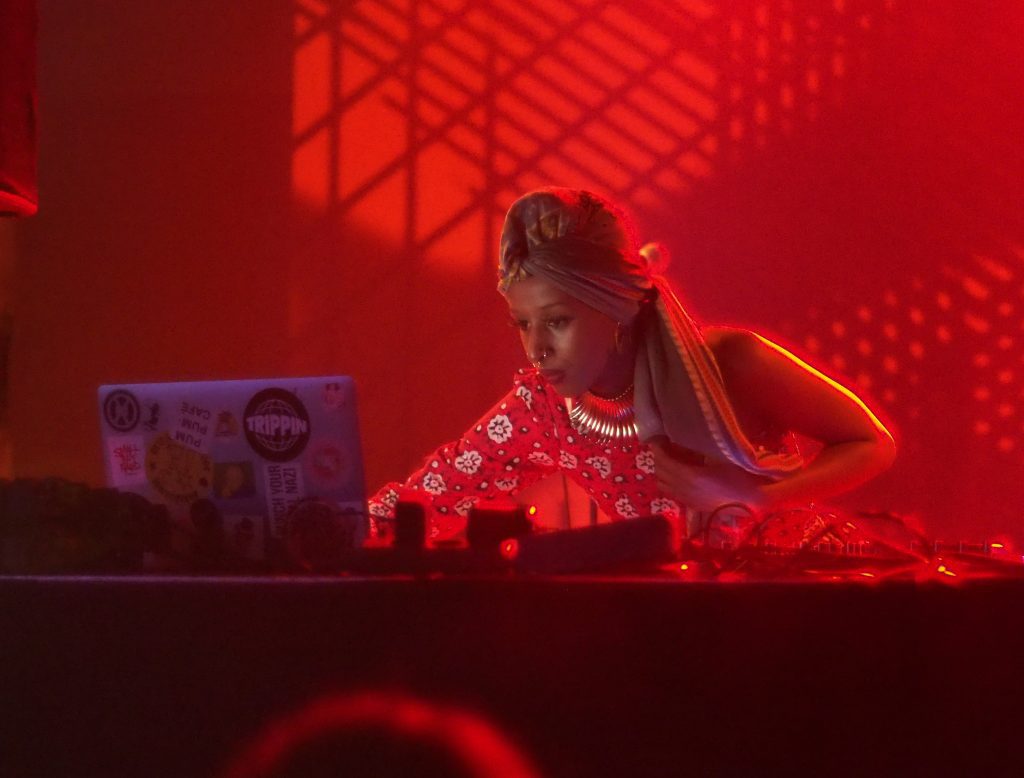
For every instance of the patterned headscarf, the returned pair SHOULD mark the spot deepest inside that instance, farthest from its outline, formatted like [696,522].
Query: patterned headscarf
[587,247]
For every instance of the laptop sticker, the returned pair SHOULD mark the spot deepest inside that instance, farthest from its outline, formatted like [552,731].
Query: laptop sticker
[127,460]
[328,464]
[121,410]
[285,488]
[176,472]
[193,427]
[276,425]
[233,480]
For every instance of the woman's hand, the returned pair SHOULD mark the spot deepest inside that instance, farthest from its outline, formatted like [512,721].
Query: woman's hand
[703,487]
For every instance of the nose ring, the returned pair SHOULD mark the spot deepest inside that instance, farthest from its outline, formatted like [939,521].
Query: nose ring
[540,360]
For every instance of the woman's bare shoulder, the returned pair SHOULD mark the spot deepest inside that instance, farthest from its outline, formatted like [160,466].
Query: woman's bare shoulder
[732,346]
[765,381]
[747,359]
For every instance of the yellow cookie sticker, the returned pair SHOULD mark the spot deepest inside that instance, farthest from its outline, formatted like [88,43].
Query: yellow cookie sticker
[178,473]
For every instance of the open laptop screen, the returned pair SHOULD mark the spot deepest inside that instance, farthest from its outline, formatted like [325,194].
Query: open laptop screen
[254,448]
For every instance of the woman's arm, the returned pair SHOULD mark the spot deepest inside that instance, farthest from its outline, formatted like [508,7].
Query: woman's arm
[772,388]
[495,458]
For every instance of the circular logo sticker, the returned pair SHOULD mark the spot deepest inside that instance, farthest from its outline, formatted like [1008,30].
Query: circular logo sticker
[176,472]
[121,410]
[327,463]
[276,425]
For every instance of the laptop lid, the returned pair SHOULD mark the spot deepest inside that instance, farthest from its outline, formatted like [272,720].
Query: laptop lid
[254,448]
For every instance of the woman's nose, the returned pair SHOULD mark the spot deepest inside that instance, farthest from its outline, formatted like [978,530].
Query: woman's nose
[537,347]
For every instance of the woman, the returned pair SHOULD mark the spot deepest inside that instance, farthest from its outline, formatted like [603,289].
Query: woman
[628,398]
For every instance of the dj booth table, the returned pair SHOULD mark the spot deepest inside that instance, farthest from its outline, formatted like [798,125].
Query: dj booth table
[591,676]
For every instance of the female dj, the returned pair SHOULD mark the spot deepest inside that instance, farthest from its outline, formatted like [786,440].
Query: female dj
[627,397]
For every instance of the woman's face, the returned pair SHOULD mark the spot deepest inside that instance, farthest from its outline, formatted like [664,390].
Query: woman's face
[579,341]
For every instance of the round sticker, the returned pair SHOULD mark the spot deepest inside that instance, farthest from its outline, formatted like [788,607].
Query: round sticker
[121,410]
[178,473]
[327,463]
[276,425]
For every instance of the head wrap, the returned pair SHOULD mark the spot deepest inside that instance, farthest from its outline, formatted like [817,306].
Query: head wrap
[586,247]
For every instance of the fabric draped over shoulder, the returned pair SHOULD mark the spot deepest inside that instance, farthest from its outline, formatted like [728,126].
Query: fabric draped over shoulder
[583,245]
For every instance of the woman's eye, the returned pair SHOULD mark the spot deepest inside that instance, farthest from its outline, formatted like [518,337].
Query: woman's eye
[554,323]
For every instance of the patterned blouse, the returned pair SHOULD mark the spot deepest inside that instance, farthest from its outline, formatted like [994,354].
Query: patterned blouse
[524,438]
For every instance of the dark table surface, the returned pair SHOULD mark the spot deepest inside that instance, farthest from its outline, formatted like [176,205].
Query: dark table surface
[150,675]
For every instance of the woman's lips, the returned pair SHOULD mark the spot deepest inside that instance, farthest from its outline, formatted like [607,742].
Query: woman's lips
[553,376]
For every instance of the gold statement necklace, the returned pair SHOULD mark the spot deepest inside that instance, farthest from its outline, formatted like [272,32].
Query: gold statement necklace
[604,420]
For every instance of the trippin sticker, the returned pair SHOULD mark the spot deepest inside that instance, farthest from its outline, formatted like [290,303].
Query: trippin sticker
[176,472]
[121,410]
[276,425]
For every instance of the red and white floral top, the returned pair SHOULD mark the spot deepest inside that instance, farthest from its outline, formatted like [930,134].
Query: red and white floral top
[524,438]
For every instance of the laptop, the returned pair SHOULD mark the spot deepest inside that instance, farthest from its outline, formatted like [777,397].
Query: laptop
[252,448]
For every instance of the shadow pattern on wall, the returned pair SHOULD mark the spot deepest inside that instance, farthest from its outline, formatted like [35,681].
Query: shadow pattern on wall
[831,172]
